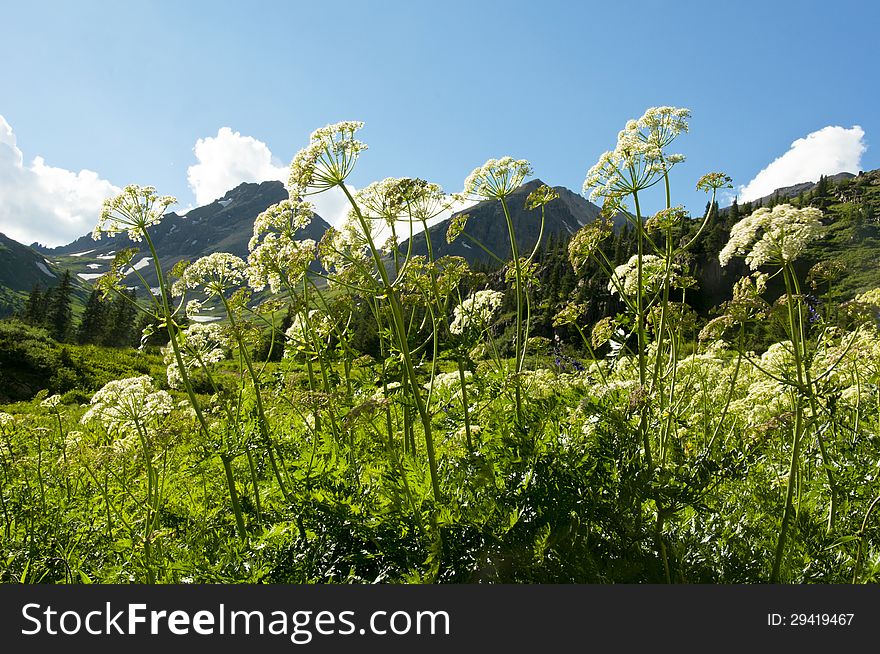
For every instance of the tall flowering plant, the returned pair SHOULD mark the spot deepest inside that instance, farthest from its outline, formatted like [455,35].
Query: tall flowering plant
[134,211]
[775,238]
[619,179]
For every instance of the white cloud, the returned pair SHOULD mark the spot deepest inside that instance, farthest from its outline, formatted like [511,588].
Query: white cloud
[227,160]
[43,203]
[332,205]
[830,150]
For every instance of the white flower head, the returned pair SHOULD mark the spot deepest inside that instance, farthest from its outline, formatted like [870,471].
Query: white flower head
[286,218]
[496,179]
[639,160]
[51,402]
[450,382]
[277,260]
[773,236]
[132,211]
[201,344]
[344,248]
[327,160]
[308,332]
[405,198]
[193,308]
[215,274]
[127,404]
[476,312]
[653,273]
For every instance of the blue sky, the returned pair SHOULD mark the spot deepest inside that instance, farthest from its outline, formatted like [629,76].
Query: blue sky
[125,91]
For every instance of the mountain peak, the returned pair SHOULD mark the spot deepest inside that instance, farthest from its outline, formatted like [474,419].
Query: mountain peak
[487,225]
[224,225]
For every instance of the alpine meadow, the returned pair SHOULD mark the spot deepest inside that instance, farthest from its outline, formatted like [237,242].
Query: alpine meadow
[638,397]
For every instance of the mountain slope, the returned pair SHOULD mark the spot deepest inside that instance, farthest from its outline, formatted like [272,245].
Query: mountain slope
[225,225]
[795,190]
[487,225]
[21,268]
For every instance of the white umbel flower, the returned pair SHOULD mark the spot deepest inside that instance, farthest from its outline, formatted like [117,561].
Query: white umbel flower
[327,160]
[496,179]
[201,344]
[215,274]
[306,335]
[277,259]
[476,312]
[132,211]
[123,404]
[638,161]
[626,275]
[287,217]
[773,236]
[394,199]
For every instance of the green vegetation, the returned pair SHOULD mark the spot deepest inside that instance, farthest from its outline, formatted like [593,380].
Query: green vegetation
[31,361]
[684,399]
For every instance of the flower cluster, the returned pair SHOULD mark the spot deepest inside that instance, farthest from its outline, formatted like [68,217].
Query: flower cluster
[826,272]
[871,297]
[456,226]
[215,274]
[602,331]
[277,256]
[278,259]
[327,160]
[661,125]
[541,383]
[201,344]
[638,161]
[773,236]
[383,200]
[405,198]
[666,219]
[476,312]
[308,332]
[569,314]
[541,196]
[496,179]
[342,250]
[586,241]
[127,404]
[286,217]
[653,275]
[51,402]
[450,382]
[132,211]
[713,181]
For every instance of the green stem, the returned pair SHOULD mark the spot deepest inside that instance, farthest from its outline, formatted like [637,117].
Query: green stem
[795,330]
[398,324]
[233,493]
[464,403]
[858,567]
[263,422]
[173,332]
[518,337]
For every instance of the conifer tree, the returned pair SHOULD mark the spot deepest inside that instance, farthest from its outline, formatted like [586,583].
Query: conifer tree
[59,315]
[94,320]
[732,215]
[35,308]
[121,327]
